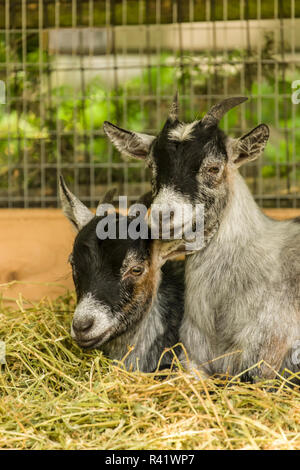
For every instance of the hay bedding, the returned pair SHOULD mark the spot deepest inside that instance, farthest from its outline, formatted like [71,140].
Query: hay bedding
[55,396]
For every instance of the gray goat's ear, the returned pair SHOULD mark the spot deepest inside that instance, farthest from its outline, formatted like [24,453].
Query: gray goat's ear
[78,214]
[250,146]
[131,144]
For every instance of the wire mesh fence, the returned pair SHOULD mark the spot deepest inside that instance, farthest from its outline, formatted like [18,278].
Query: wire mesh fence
[68,65]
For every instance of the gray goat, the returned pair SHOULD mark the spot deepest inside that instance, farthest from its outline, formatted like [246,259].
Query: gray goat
[242,298]
[124,298]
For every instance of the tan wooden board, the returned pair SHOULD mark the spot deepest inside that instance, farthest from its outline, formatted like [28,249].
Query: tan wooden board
[34,249]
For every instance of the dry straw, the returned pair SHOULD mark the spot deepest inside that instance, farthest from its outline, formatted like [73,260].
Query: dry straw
[55,396]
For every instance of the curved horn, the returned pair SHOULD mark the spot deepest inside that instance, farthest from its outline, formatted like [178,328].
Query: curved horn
[107,199]
[146,199]
[173,113]
[216,113]
[108,196]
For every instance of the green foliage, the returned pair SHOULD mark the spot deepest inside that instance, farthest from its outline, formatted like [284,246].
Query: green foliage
[135,12]
[68,122]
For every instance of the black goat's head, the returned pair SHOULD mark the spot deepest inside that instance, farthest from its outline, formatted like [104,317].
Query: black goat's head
[116,280]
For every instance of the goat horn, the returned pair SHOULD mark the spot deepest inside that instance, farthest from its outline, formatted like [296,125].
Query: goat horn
[216,113]
[108,197]
[173,114]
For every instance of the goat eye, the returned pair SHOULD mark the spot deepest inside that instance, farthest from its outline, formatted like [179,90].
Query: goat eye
[213,170]
[137,270]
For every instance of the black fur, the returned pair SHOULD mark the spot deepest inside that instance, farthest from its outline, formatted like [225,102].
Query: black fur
[97,266]
[176,161]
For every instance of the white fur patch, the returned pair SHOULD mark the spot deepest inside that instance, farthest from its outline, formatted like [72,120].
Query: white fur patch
[182,131]
[171,204]
[89,307]
[168,195]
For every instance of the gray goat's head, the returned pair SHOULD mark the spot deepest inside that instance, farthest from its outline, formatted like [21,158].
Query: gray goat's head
[192,163]
[116,280]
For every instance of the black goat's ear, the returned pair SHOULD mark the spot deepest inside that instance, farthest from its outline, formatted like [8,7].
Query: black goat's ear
[78,214]
[250,146]
[130,144]
[165,250]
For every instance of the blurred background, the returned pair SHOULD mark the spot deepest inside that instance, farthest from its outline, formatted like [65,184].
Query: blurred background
[68,65]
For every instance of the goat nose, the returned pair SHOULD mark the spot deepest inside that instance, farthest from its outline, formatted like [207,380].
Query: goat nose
[82,325]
